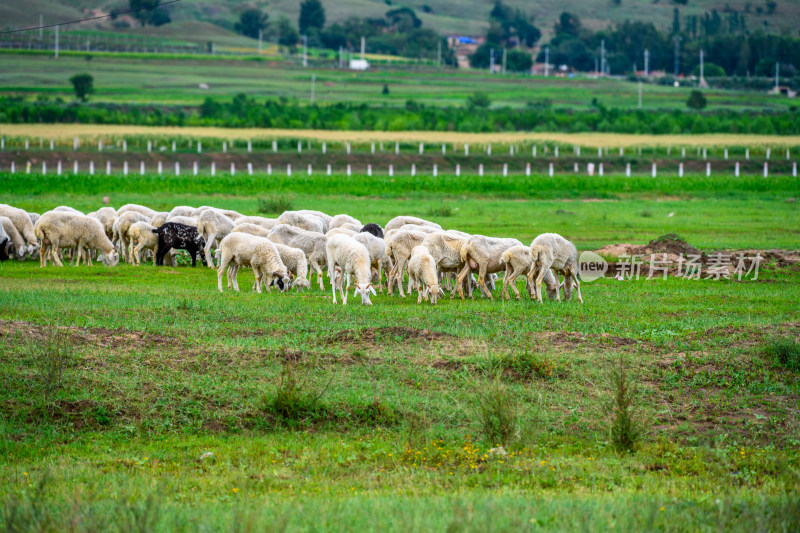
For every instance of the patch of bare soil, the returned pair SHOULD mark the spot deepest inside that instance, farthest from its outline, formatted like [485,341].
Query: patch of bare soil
[98,337]
[673,253]
[376,336]
[572,340]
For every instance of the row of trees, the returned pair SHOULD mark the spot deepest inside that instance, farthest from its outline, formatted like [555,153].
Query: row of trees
[244,111]
[398,32]
[726,53]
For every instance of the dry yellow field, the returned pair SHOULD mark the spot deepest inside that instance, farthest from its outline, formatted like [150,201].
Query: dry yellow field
[91,131]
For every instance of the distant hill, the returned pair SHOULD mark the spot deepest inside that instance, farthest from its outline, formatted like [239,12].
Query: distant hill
[445,16]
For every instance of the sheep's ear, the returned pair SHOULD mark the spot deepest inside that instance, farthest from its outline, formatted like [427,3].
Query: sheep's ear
[372,290]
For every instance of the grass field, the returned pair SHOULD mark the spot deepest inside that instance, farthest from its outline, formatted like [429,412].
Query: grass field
[141,398]
[176,81]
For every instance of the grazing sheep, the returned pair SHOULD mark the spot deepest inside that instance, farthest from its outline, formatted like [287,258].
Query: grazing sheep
[422,274]
[339,220]
[159,219]
[68,230]
[146,211]
[6,246]
[232,215]
[212,225]
[312,244]
[67,209]
[518,262]
[399,222]
[22,222]
[399,246]
[374,229]
[306,222]
[107,216]
[181,237]
[242,249]
[351,227]
[180,219]
[142,238]
[377,251]
[119,231]
[266,223]
[340,231]
[252,229]
[296,263]
[552,251]
[324,216]
[482,253]
[181,211]
[353,259]
[445,247]
[16,242]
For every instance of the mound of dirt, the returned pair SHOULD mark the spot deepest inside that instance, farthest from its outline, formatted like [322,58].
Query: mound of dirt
[378,335]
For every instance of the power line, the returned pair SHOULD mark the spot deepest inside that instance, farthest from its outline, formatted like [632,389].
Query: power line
[112,14]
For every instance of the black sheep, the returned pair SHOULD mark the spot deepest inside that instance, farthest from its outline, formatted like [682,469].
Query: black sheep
[181,237]
[374,229]
[5,254]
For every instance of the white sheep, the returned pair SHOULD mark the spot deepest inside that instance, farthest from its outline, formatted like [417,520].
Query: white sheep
[213,224]
[324,216]
[482,253]
[142,238]
[59,229]
[422,274]
[445,247]
[232,215]
[306,222]
[146,211]
[312,243]
[340,231]
[181,211]
[518,262]
[399,222]
[242,249]
[252,229]
[377,252]
[159,219]
[186,221]
[107,216]
[14,236]
[33,217]
[338,220]
[399,247]
[266,223]
[351,227]
[67,209]
[552,251]
[296,263]
[22,222]
[352,258]
[119,231]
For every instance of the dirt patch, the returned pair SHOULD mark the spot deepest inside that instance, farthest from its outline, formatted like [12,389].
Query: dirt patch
[376,336]
[98,337]
[571,340]
[448,364]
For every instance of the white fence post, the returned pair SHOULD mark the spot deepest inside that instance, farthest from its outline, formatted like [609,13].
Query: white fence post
[627,170]
[199,147]
[654,171]
[505,169]
[444,149]
[480,169]
[51,147]
[413,169]
[13,167]
[575,168]
[194,168]
[369,170]
[421,148]
[250,168]
[391,170]
[58,171]
[533,151]
[736,170]
[177,168]
[527,169]
[680,169]
[458,169]
[550,170]
[91,168]
[224,147]
[75,144]
[309,170]
[141,168]
[769,151]
[324,148]
[435,171]
[489,150]
[233,169]
[349,170]
[747,154]
[124,167]
[328,171]
[794,169]
[726,154]
[269,169]
[160,167]
[372,148]
[299,147]
[289,169]
[397,148]
[348,148]
[708,170]
[600,169]
[213,169]
[125,146]
[466,150]
[108,168]
[44,168]
[766,170]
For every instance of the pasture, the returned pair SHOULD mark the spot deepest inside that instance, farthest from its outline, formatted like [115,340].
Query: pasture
[142,398]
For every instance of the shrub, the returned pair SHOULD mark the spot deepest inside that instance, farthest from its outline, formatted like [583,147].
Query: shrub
[83,85]
[441,211]
[274,204]
[51,355]
[522,365]
[497,411]
[621,409]
[786,353]
[696,100]
[296,399]
[479,100]
[645,213]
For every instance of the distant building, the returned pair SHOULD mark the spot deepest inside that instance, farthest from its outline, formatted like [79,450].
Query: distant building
[784,90]
[464,46]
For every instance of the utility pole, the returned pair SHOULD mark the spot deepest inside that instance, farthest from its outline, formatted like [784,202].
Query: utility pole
[777,76]
[260,40]
[640,95]
[341,56]
[439,55]
[41,26]
[546,61]
[646,63]
[313,82]
[363,47]
[56,41]
[603,56]
[677,41]
[305,50]
[505,53]
[491,60]
[701,65]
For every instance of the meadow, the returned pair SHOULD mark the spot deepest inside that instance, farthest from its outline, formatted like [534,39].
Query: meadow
[136,398]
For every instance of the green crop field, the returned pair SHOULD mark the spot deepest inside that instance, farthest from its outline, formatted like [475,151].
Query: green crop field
[176,81]
[140,398]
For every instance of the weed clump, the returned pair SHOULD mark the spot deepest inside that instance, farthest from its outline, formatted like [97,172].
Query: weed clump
[522,365]
[441,211]
[51,355]
[275,204]
[786,353]
[296,398]
[623,414]
[497,411]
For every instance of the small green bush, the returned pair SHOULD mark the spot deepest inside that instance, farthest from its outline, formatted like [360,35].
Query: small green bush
[296,399]
[786,353]
[497,411]
[275,204]
[441,211]
[623,413]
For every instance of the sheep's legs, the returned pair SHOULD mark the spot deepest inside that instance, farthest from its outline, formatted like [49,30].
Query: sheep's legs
[482,282]
[462,276]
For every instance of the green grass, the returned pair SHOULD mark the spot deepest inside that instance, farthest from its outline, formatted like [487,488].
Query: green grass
[176,80]
[180,408]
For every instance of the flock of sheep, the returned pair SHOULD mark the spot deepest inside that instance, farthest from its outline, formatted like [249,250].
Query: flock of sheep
[286,251]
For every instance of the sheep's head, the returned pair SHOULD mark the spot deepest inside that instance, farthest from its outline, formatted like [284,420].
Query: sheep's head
[364,290]
[301,284]
[200,241]
[19,253]
[433,291]
[110,259]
